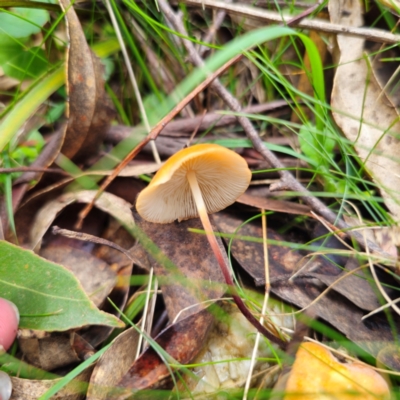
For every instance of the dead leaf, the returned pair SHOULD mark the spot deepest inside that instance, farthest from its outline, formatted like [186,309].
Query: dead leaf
[389,358]
[283,261]
[182,341]
[109,203]
[89,110]
[116,207]
[337,306]
[118,235]
[357,287]
[55,350]
[113,365]
[371,335]
[366,118]
[385,68]
[197,276]
[26,389]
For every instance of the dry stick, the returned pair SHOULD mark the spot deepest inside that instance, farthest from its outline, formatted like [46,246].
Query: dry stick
[212,30]
[196,129]
[376,35]
[86,237]
[287,179]
[153,135]
[34,169]
[295,20]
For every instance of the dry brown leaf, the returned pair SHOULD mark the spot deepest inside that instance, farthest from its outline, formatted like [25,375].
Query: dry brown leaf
[54,350]
[367,119]
[182,341]
[26,389]
[113,365]
[89,110]
[197,276]
[284,262]
[109,203]
[337,306]
[371,335]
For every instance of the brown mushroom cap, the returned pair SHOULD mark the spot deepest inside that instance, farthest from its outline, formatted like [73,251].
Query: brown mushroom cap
[222,174]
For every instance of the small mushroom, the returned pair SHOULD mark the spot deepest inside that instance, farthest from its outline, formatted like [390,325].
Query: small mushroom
[316,373]
[9,320]
[201,179]
[194,182]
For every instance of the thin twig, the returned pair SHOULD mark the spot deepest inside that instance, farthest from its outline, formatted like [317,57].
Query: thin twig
[153,135]
[184,126]
[295,20]
[34,169]
[212,30]
[86,237]
[288,180]
[376,35]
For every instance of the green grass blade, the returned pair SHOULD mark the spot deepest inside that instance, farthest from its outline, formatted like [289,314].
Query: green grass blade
[39,93]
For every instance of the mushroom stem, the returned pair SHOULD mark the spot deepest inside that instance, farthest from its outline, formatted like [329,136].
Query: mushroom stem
[202,210]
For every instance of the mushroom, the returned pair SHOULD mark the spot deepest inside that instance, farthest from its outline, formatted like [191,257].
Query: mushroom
[194,182]
[316,373]
[9,320]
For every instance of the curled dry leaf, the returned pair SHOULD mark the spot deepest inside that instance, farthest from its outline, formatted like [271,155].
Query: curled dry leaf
[317,373]
[113,365]
[27,389]
[361,110]
[109,203]
[89,110]
[55,351]
[123,265]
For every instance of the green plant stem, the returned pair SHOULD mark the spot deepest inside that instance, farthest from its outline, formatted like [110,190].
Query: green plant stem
[202,210]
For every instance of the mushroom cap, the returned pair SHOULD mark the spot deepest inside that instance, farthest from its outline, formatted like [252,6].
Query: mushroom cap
[222,174]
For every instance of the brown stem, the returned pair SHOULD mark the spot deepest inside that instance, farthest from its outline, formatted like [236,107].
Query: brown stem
[201,208]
